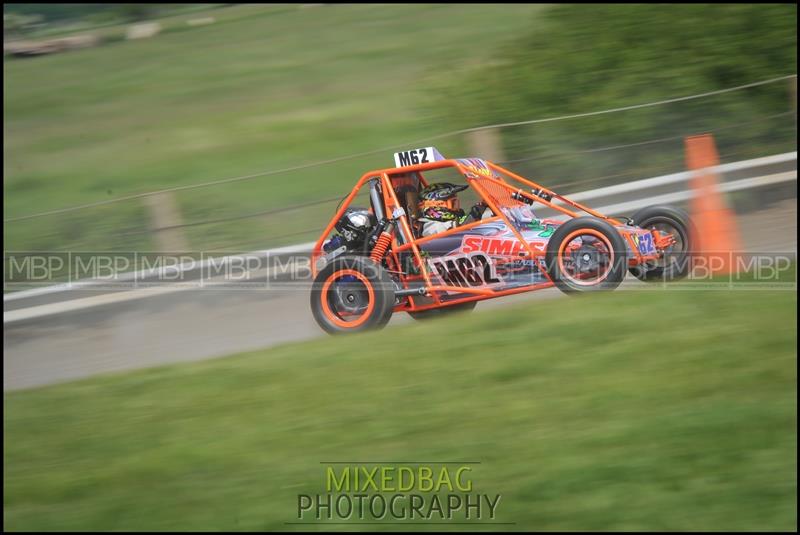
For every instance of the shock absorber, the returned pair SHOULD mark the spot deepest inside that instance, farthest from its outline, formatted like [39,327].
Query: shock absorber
[383,242]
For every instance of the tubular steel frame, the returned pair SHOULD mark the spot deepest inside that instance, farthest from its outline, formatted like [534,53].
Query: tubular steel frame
[412,243]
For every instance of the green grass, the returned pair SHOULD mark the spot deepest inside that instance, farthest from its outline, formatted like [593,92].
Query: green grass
[265,87]
[629,411]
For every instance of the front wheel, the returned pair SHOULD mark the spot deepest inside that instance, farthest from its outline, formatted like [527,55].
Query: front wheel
[586,254]
[352,294]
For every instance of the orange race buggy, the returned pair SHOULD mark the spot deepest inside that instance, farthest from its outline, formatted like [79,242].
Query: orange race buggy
[372,262]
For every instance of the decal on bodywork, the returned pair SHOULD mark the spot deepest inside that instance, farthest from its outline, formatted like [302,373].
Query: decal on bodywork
[500,246]
[467,270]
[546,230]
[476,167]
[644,243]
[494,246]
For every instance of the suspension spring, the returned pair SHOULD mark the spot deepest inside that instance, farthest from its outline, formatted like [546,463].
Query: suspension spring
[381,246]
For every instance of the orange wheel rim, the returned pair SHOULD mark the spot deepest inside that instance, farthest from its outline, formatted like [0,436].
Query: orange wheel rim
[335,318]
[565,243]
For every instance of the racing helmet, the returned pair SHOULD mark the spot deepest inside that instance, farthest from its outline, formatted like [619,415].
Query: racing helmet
[439,202]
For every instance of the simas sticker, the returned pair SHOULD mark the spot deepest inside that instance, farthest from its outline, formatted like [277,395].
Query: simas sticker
[466,270]
[497,246]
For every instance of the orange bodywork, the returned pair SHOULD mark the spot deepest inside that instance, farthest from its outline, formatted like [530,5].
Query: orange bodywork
[495,192]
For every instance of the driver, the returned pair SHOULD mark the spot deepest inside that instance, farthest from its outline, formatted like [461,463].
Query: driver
[440,208]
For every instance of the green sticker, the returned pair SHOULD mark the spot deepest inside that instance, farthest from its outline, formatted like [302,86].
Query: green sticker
[547,230]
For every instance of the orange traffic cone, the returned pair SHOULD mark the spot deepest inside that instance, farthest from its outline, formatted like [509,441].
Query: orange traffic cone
[717,232]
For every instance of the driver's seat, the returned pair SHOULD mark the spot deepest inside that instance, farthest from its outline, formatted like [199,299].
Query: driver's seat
[406,186]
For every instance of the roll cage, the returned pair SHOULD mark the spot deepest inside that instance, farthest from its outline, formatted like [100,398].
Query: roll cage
[498,188]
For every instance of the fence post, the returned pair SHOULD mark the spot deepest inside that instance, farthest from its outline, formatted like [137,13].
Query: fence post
[164,220]
[486,144]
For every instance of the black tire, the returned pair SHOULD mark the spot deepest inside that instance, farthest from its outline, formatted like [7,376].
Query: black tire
[369,289]
[423,315]
[602,247]
[677,261]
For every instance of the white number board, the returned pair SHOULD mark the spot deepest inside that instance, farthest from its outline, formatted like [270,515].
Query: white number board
[417,156]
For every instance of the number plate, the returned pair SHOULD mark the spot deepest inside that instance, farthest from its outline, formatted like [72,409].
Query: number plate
[646,244]
[417,156]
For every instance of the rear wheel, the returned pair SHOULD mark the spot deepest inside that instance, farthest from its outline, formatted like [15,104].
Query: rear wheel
[586,254]
[675,262]
[352,294]
[444,311]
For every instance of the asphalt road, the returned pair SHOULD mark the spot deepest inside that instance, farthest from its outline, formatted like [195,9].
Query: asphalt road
[199,324]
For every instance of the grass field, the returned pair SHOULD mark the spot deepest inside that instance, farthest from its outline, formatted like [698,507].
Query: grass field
[265,87]
[631,411]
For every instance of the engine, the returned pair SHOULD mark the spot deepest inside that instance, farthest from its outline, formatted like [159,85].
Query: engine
[354,228]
